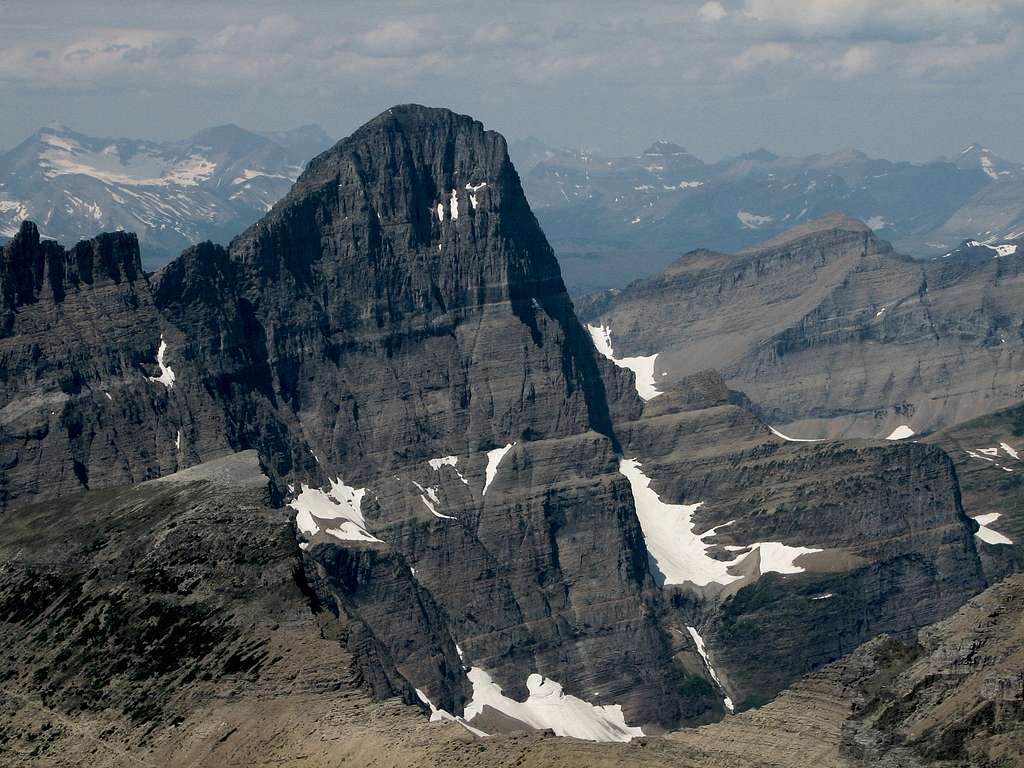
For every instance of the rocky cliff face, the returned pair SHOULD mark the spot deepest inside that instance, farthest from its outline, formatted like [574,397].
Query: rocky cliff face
[828,332]
[167,623]
[821,562]
[480,495]
[400,306]
[83,403]
[988,453]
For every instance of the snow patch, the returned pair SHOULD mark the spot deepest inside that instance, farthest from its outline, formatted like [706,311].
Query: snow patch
[166,376]
[902,432]
[985,533]
[974,455]
[494,458]
[473,189]
[987,167]
[702,650]
[64,157]
[249,173]
[337,512]
[1010,451]
[1007,249]
[455,205]
[16,212]
[448,461]
[777,557]
[826,596]
[679,554]
[548,706]
[440,212]
[752,220]
[642,367]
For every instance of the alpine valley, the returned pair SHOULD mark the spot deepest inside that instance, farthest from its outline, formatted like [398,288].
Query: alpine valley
[364,487]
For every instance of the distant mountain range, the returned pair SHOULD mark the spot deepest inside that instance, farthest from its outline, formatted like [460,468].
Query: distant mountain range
[172,194]
[609,219]
[613,219]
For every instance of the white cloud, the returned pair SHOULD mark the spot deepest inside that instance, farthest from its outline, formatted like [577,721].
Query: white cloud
[763,54]
[877,19]
[858,60]
[396,38]
[712,11]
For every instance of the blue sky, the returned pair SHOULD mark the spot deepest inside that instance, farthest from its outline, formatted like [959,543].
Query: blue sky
[907,79]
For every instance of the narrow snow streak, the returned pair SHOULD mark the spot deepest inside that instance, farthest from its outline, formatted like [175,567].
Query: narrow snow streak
[789,439]
[548,706]
[702,650]
[437,715]
[494,458]
[166,376]
[988,535]
[431,501]
[642,367]
[902,432]
[337,512]
[1010,451]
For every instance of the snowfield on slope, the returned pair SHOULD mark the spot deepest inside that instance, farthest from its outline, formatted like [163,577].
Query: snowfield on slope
[548,706]
[337,512]
[642,367]
[679,554]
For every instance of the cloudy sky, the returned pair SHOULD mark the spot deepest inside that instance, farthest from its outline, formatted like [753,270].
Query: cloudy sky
[907,79]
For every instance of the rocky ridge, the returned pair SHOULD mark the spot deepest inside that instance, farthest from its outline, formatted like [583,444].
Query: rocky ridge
[828,333]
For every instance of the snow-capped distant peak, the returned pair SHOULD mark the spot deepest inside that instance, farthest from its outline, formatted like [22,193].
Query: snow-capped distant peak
[144,165]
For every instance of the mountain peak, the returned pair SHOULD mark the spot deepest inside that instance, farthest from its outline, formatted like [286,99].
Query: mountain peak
[228,137]
[977,156]
[424,182]
[55,126]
